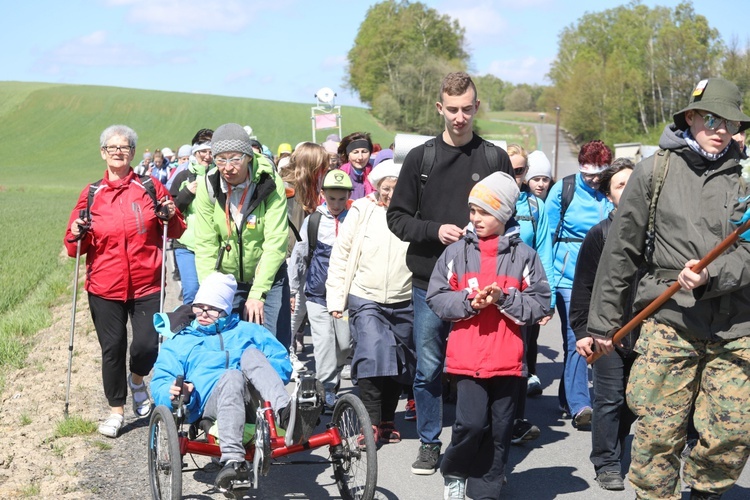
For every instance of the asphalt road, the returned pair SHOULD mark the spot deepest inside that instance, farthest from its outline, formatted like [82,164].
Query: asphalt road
[554,466]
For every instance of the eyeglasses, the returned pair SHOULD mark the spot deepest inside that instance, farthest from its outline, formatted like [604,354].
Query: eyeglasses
[211,312]
[118,149]
[712,122]
[222,162]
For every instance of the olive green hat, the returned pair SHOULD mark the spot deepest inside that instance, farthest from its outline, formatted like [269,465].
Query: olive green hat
[718,96]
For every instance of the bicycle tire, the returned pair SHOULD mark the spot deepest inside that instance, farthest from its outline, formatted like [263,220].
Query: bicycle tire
[164,459]
[356,470]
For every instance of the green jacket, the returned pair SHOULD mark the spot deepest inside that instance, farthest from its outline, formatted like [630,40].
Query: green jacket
[258,249]
[698,200]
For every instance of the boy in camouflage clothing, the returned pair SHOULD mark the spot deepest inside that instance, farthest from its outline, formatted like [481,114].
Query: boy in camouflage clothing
[696,348]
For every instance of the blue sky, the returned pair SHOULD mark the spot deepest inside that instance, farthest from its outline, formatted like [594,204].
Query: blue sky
[282,50]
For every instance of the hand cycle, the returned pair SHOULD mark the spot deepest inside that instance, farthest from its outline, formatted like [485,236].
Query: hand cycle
[349,437]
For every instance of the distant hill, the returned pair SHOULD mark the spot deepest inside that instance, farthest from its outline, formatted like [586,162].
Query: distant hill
[49,133]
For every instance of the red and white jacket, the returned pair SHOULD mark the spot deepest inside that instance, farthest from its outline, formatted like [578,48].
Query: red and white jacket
[123,248]
[488,342]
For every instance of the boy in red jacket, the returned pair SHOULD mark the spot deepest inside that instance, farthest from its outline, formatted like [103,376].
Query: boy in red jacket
[489,284]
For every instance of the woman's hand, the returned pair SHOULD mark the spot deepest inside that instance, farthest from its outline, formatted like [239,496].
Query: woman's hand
[168,205]
[337,314]
[585,347]
[254,311]
[75,227]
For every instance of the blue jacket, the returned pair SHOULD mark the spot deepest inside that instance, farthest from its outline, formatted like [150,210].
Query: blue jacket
[313,271]
[542,240]
[203,353]
[587,208]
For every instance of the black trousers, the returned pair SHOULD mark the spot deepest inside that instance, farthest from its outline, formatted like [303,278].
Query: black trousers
[380,397]
[110,320]
[480,442]
[612,418]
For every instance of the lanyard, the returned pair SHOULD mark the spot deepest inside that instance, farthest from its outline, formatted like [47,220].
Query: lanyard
[226,208]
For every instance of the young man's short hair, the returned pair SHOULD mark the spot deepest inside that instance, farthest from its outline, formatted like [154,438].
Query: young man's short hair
[457,84]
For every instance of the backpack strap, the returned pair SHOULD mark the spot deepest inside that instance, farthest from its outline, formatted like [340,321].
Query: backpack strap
[490,154]
[93,188]
[146,181]
[428,161]
[534,212]
[661,166]
[312,233]
[568,191]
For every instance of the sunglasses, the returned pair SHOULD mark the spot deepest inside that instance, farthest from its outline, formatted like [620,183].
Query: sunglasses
[712,122]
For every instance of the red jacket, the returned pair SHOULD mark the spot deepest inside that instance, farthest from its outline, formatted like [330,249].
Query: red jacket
[124,245]
[489,342]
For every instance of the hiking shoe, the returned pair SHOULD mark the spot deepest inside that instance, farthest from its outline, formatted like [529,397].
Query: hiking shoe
[141,399]
[427,459]
[523,431]
[410,412]
[583,417]
[346,372]
[234,471]
[111,427]
[455,488]
[533,386]
[330,402]
[610,480]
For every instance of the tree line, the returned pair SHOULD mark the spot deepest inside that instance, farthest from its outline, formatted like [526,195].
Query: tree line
[619,74]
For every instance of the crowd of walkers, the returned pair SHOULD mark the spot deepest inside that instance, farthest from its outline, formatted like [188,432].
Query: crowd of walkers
[436,273]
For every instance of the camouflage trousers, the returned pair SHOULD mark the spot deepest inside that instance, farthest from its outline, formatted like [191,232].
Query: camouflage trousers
[673,371]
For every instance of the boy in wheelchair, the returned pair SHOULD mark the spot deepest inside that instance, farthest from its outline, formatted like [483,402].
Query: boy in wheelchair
[228,366]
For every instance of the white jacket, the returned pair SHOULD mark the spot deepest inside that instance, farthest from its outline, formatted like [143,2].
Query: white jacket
[367,260]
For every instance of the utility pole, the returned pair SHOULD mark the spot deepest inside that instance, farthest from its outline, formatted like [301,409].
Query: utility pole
[557,140]
[541,130]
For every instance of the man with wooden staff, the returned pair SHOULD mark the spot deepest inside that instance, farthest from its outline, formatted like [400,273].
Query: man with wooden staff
[695,350]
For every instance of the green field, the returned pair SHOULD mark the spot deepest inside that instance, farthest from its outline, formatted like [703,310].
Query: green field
[50,150]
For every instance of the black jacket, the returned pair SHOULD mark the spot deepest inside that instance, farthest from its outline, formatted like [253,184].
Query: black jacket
[445,199]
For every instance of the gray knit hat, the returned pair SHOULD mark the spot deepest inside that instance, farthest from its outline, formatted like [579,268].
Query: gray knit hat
[231,137]
[718,96]
[497,194]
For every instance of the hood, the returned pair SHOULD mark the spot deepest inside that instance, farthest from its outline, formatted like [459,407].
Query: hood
[261,165]
[671,138]
[511,237]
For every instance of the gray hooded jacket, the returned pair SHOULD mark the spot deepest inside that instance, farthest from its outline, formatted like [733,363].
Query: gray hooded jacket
[698,200]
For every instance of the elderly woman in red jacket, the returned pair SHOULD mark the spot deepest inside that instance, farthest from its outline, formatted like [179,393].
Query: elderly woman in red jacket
[121,236]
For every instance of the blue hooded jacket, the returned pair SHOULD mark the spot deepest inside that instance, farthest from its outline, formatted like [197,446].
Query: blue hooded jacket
[203,353]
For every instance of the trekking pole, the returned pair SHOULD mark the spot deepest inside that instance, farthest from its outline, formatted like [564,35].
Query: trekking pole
[674,288]
[163,266]
[83,229]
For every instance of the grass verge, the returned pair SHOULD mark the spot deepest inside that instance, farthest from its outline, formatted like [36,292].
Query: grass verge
[74,426]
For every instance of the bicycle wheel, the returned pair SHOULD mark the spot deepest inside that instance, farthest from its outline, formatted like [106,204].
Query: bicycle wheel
[356,469]
[164,459]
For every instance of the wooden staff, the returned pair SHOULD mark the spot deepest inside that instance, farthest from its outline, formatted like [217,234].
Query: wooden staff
[674,288]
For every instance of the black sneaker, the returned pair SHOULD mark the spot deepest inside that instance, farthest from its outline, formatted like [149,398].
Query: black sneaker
[427,459]
[233,472]
[523,431]
[610,480]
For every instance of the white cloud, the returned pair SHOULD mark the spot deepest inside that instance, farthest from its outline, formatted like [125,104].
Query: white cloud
[94,49]
[191,18]
[526,70]
[334,62]
[481,20]
[240,75]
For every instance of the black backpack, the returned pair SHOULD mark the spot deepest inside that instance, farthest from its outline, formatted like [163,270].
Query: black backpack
[568,190]
[428,161]
[313,224]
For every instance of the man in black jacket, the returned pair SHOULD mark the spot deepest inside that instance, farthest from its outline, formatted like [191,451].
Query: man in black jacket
[430,215]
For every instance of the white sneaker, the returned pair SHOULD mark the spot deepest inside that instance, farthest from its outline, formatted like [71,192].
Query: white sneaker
[330,400]
[346,372]
[455,488]
[111,427]
[297,365]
